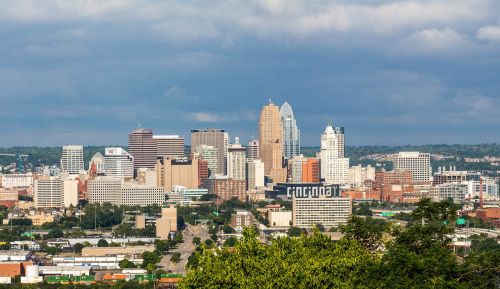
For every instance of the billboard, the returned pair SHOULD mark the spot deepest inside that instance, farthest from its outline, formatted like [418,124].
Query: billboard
[307,190]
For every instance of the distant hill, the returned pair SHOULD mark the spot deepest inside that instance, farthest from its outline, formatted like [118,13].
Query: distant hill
[50,155]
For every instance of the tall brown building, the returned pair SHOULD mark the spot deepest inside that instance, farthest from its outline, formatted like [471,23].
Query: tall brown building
[217,138]
[181,172]
[271,142]
[171,146]
[202,171]
[143,148]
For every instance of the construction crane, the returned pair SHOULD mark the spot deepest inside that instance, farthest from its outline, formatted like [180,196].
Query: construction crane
[20,158]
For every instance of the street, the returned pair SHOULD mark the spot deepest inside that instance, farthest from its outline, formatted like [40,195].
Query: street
[185,248]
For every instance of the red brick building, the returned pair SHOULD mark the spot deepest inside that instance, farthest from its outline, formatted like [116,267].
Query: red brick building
[362,194]
[394,185]
[225,189]
[489,215]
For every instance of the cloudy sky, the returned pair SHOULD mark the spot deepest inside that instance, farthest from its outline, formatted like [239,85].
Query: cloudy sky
[390,72]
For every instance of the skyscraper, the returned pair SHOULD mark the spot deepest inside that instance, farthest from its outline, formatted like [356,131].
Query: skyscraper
[253,150]
[217,138]
[255,174]
[171,146]
[271,142]
[416,162]
[48,192]
[236,160]
[72,159]
[143,148]
[334,168]
[291,134]
[177,172]
[119,163]
[339,132]
[209,154]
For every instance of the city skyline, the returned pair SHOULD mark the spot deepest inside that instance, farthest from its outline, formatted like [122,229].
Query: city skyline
[90,73]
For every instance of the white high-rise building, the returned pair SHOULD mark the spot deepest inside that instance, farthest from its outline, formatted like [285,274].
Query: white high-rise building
[291,134]
[255,172]
[111,190]
[456,191]
[211,155]
[119,163]
[416,162]
[49,192]
[334,168]
[330,212]
[56,192]
[17,180]
[104,190]
[216,138]
[357,175]
[70,192]
[236,159]
[72,159]
[253,150]
[134,194]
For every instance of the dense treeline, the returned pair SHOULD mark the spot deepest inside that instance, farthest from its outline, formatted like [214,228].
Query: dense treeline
[48,156]
[51,155]
[119,285]
[370,255]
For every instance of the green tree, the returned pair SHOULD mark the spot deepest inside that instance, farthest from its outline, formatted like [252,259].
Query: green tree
[284,263]
[149,258]
[197,240]
[126,264]
[192,262]
[179,238]
[320,227]
[55,233]
[78,247]
[21,222]
[51,250]
[102,243]
[176,257]
[367,232]
[209,243]
[159,272]
[230,242]
[162,246]
[294,232]
[227,229]
[363,210]
[150,268]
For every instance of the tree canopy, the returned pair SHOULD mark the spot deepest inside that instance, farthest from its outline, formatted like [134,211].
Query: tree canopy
[372,254]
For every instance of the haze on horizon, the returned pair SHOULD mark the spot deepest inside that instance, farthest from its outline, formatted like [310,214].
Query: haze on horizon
[391,72]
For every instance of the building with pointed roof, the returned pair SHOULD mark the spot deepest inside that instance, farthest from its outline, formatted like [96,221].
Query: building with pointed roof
[291,134]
